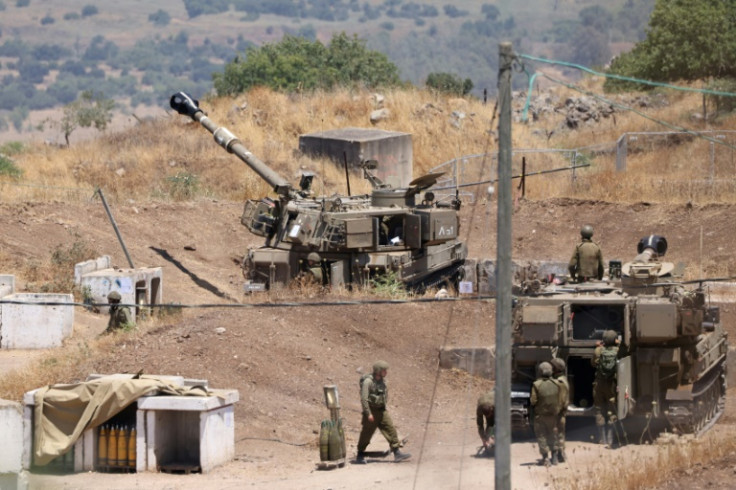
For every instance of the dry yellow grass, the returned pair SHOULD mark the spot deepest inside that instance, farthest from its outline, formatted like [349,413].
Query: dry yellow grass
[174,158]
[651,466]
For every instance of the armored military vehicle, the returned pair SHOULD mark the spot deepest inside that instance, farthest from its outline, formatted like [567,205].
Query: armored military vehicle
[404,232]
[672,354]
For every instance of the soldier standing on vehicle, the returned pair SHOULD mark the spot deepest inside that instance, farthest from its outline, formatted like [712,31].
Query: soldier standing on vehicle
[558,374]
[604,386]
[587,259]
[545,401]
[485,415]
[120,316]
[373,401]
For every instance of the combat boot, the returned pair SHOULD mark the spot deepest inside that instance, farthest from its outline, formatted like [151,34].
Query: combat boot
[609,437]
[602,435]
[544,461]
[399,456]
[554,458]
[360,458]
[561,456]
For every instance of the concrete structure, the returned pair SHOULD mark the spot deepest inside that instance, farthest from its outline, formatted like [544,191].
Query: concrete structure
[11,433]
[171,431]
[33,320]
[480,361]
[392,150]
[138,286]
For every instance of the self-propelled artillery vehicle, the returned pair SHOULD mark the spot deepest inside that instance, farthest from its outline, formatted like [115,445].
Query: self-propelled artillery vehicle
[404,232]
[672,348]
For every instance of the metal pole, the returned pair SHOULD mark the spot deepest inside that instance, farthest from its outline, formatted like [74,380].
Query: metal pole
[115,227]
[503,273]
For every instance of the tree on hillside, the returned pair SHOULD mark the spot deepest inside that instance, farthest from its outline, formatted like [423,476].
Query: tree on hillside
[686,40]
[91,109]
[296,63]
[448,83]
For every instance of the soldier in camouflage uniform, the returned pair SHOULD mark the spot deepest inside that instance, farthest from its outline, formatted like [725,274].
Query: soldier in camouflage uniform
[587,259]
[558,374]
[313,271]
[485,414]
[604,389]
[545,401]
[373,400]
[120,316]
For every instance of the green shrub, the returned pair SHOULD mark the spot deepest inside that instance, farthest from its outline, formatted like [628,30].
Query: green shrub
[7,167]
[183,186]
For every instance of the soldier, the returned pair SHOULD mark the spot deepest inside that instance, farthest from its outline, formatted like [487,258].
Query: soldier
[120,317]
[485,415]
[587,259]
[558,374]
[373,400]
[604,386]
[545,401]
[314,268]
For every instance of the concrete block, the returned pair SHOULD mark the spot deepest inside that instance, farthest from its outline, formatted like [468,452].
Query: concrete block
[33,323]
[197,431]
[480,361]
[11,433]
[392,150]
[190,430]
[88,266]
[136,286]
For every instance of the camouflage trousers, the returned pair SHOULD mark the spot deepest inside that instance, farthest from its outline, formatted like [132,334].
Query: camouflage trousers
[381,421]
[545,427]
[561,423]
[604,401]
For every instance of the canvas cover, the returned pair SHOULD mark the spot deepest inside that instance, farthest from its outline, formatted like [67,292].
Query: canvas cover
[63,412]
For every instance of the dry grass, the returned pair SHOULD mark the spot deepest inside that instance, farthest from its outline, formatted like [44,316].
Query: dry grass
[72,362]
[651,466]
[176,159]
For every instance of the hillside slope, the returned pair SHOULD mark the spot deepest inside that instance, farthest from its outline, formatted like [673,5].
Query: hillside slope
[279,357]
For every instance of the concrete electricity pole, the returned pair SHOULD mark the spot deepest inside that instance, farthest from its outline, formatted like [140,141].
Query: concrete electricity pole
[503,273]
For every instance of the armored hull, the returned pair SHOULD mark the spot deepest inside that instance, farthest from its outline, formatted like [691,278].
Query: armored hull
[672,347]
[404,233]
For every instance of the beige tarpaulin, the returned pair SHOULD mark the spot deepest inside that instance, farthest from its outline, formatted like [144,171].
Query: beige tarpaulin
[63,412]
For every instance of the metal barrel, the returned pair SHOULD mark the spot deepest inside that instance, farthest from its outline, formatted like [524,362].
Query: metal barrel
[186,105]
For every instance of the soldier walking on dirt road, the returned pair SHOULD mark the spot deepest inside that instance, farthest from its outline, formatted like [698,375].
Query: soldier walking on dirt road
[373,400]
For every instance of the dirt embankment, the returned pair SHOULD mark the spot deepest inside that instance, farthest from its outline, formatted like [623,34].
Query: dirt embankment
[279,358]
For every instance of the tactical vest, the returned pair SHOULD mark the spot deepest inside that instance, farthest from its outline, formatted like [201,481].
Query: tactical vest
[548,401]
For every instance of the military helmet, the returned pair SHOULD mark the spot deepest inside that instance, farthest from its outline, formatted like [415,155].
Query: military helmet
[558,365]
[380,366]
[545,369]
[313,256]
[609,337]
[114,296]
[586,231]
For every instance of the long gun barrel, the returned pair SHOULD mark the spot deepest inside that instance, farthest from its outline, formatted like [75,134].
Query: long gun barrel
[185,105]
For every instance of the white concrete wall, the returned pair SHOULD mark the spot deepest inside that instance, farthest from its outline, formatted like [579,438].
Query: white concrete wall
[11,435]
[217,437]
[83,268]
[36,326]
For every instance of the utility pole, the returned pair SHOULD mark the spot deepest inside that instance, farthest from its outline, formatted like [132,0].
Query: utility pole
[503,273]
